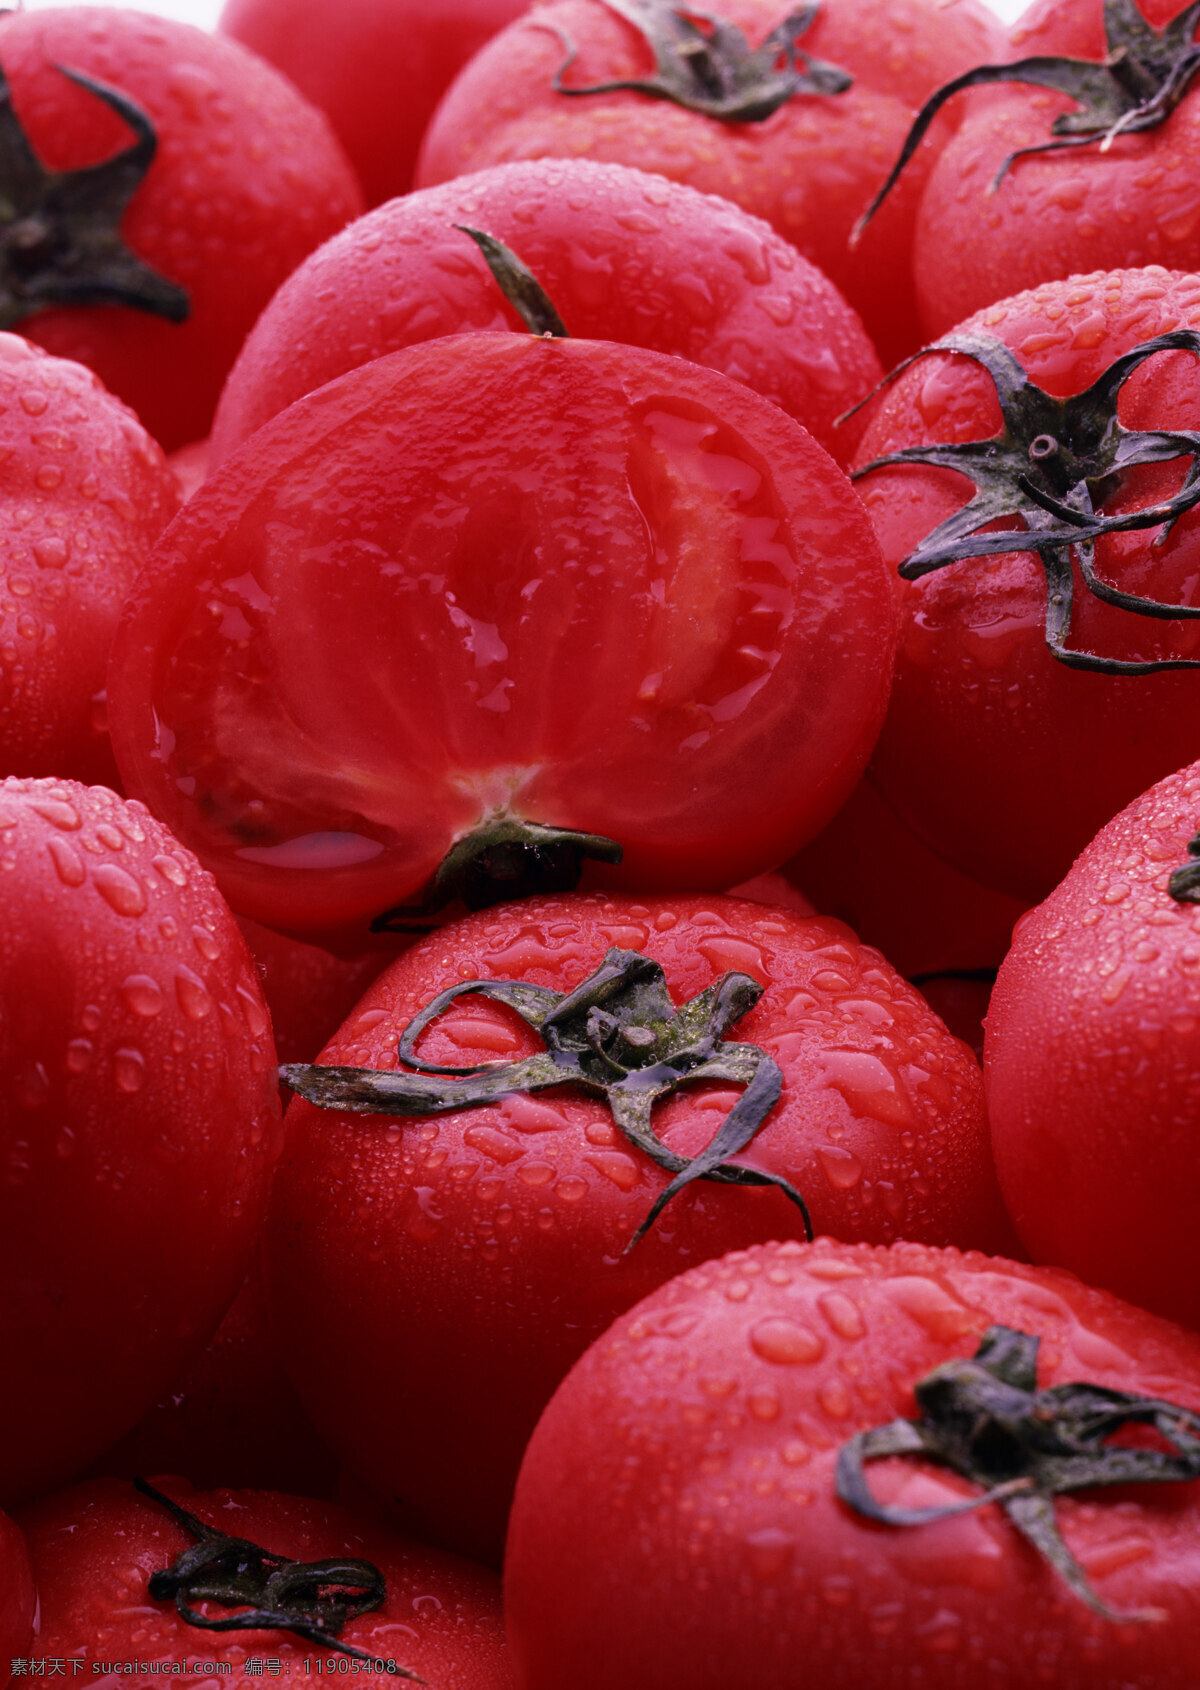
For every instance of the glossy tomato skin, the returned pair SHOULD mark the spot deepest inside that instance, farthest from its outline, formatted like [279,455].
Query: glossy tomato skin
[1000,757]
[623,255]
[84,494]
[376,68]
[139,1123]
[309,991]
[475,1255]
[1060,213]
[95,1546]
[18,1600]
[809,170]
[635,600]
[683,1479]
[247,179]
[1092,1061]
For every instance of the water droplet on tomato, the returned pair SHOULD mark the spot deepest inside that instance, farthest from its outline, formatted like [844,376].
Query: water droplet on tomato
[120,891]
[842,1314]
[192,995]
[842,1169]
[79,1055]
[785,1341]
[59,812]
[572,1189]
[129,1069]
[208,947]
[31,1087]
[68,864]
[171,870]
[142,995]
[769,1552]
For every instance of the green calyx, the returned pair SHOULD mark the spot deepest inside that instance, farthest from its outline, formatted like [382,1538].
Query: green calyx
[60,242]
[1052,463]
[618,1036]
[311,1599]
[704,63]
[986,1419]
[502,859]
[1135,87]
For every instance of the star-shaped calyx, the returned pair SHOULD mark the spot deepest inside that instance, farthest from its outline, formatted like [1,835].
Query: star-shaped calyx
[311,1599]
[1136,86]
[618,1036]
[704,62]
[60,241]
[1052,464]
[986,1419]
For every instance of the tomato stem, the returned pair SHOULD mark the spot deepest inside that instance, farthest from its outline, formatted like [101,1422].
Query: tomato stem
[986,1419]
[60,240]
[617,1035]
[502,859]
[519,285]
[312,1599]
[1143,77]
[709,67]
[1052,464]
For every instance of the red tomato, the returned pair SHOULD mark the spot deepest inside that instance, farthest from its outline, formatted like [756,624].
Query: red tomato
[475,1255]
[1113,204]
[246,180]
[1092,1049]
[1003,759]
[376,68]
[676,1521]
[84,495]
[624,256]
[630,599]
[809,169]
[18,1600]
[308,991]
[95,1547]
[140,1120]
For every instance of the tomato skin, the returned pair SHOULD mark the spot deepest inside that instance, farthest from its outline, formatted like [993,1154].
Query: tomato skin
[676,1524]
[623,255]
[226,229]
[84,493]
[139,1121]
[95,1546]
[809,170]
[376,68]
[1060,213]
[18,1600]
[1091,1058]
[1001,758]
[475,1255]
[309,991]
[636,600]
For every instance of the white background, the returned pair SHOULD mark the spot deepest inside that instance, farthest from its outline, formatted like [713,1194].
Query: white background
[206,12]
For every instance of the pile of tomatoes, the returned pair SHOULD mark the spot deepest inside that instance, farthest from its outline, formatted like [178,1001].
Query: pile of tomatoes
[510,833]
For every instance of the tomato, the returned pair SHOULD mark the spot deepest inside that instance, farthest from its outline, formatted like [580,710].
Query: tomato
[631,601]
[1115,203]
[308,991]
[474,1256]
[240,180]
[140,1120]
[18,1600]
[1003,759]
[96,1546]
[808,169]
[85,493]
[376,68]
[624,256]
[676,1521]
[1092,1060]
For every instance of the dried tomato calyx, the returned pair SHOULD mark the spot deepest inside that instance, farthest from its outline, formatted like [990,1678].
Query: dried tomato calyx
[986,1419]
[1052,463]
[518,284]
[704,63]
[504,858]
[1184,882]
[59,230]
[311,1599]
[617,1035]
[1136,86]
